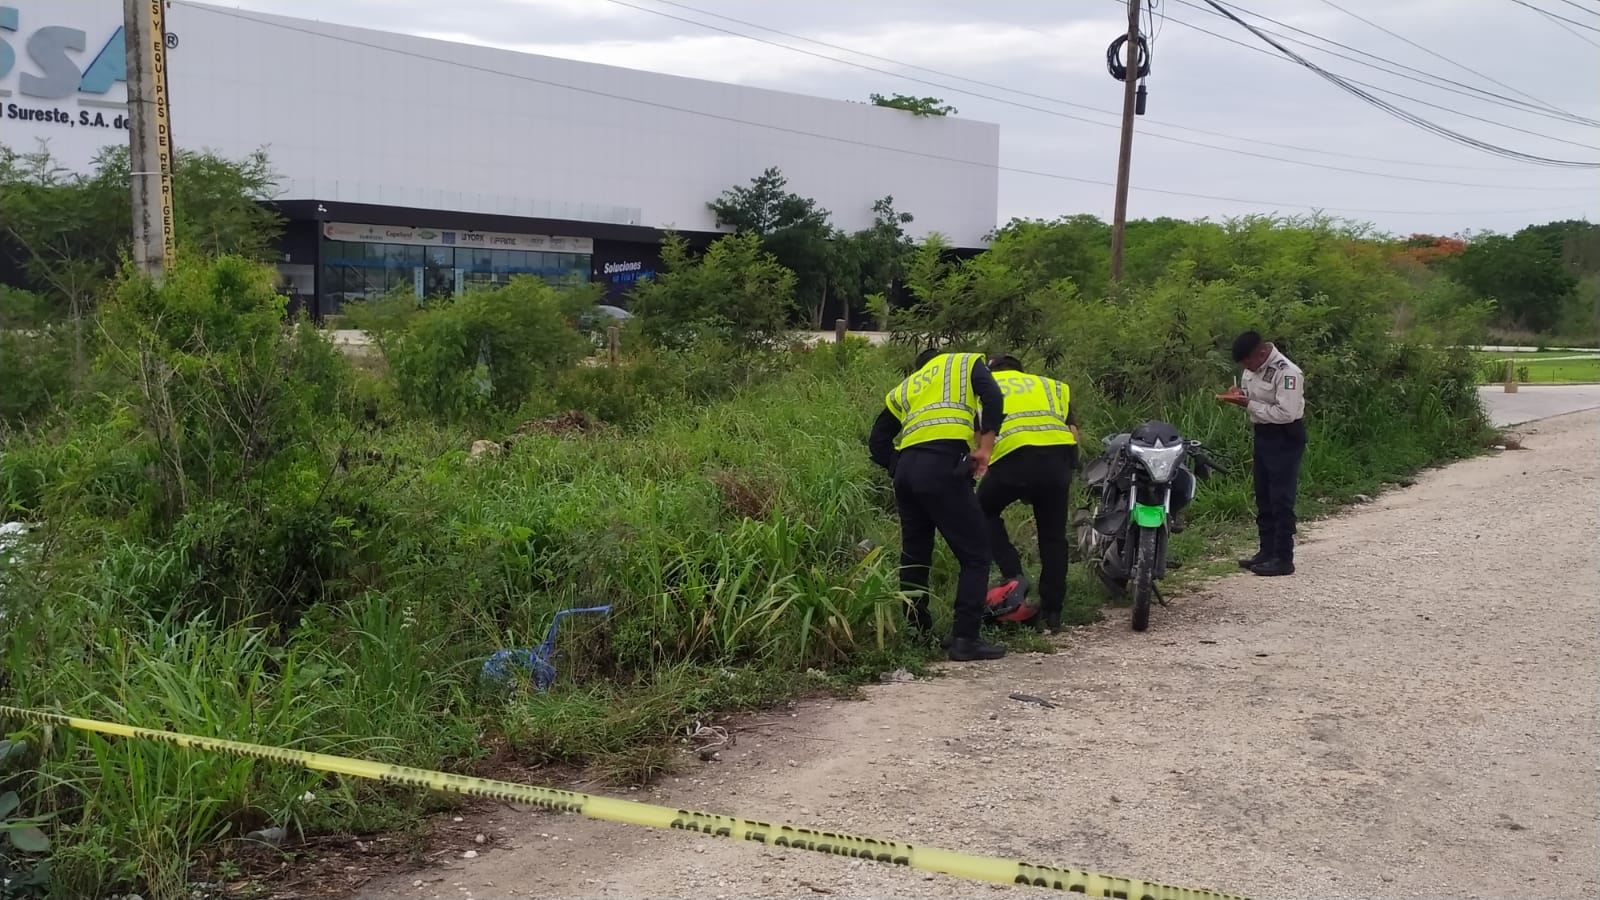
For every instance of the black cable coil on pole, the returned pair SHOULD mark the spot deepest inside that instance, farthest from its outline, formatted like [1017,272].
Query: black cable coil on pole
[1114,58]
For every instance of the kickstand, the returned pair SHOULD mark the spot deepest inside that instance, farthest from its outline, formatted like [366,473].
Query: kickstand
[1159,599]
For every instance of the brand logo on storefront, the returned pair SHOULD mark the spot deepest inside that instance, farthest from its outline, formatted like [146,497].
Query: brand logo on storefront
[53,49]
[627,272]
[343,231]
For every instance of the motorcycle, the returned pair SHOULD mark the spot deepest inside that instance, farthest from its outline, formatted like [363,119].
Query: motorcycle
[1135,486]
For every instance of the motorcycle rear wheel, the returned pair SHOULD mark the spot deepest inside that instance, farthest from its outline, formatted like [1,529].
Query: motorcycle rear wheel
[1143,578]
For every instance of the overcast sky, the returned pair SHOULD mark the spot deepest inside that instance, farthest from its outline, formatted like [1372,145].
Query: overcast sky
[1042,68]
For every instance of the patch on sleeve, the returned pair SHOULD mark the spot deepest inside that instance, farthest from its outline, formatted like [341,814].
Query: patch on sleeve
[1290,382]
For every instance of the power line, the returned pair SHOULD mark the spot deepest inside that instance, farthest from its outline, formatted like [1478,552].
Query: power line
[1547,13]
[1576,5]
[1399,113]
[1368,85]
[1468,69]
[1474,93]
[1051,112]
[1063,102]
[1388,65]
[1481,93]
[1056,176]
[1568,29]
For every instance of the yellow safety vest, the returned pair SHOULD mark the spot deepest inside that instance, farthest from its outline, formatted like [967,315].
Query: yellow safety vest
[1036,413]
[937,403]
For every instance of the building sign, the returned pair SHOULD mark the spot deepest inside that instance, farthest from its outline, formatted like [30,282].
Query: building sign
[626,272]
[44,63]
[427,237]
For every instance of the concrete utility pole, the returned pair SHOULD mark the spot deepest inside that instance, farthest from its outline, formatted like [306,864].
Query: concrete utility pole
[1119,218]
[149,135]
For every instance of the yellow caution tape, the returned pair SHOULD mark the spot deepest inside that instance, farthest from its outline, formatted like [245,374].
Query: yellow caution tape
[896,853]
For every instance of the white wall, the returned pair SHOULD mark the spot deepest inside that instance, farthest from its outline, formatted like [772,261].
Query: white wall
[355,115]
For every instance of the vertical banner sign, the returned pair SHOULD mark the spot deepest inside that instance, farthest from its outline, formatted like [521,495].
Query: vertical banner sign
[157,35]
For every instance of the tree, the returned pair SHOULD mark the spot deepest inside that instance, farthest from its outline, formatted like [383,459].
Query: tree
[1576,242]
[868,263]
[885,248]
[219,388]
[68,232]
[1074,247]
[1431,250]
[62,231]
[1523,274]
[737,292]
[982,303]
[917,106]
[793,229]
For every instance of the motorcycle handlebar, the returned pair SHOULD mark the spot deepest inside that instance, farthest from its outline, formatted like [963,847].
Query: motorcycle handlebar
[1205,459]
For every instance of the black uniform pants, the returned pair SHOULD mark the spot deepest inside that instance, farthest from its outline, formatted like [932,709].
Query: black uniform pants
[933,492]
[1279,450]
[1042,478]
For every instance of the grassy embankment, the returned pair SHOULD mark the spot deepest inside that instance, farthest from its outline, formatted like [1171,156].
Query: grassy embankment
[1540,367]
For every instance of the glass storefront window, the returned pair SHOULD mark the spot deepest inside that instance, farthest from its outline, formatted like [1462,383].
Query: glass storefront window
[353,271]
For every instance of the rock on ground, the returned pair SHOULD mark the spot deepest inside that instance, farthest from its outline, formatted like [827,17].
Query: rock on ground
[1413,715]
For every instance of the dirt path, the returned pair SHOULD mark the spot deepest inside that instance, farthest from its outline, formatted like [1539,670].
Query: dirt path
[1413,715]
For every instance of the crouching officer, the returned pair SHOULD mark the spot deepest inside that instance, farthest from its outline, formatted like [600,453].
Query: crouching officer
[928,438]
[1273,394]
[1034,457]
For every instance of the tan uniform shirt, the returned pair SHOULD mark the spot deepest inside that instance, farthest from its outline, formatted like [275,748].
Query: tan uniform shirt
[1277,391]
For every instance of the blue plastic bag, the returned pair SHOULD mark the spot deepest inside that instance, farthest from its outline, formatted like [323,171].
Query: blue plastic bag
[502,667]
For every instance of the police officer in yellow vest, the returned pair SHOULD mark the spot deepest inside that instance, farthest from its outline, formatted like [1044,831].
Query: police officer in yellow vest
[929,439]
[1033,461]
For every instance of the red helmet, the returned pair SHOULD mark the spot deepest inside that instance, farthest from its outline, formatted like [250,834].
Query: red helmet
[1009,602]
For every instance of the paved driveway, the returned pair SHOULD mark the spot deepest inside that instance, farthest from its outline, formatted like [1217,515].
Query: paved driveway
[1537,401]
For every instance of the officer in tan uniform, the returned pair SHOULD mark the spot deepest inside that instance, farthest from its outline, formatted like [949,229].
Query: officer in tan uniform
[1272,392]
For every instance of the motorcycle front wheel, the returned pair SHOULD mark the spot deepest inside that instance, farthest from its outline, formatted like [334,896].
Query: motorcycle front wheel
[1143,578]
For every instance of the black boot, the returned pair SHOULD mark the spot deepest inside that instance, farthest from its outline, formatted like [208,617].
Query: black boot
[973,649]
[1274,568]
[1251,562]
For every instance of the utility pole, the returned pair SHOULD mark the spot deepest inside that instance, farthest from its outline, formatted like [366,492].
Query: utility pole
[149,135]
[1119,217]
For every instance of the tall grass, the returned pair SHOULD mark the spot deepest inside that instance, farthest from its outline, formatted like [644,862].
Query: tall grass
[341,593]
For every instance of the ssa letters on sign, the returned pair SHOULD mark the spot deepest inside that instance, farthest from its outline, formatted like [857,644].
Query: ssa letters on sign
[59,67]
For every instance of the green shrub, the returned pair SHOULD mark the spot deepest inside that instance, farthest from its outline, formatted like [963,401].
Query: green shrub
[484,351]
[736,295]
[36,353]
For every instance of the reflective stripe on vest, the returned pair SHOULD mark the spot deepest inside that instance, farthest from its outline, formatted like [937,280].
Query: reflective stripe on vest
[937,402]
[1036,413]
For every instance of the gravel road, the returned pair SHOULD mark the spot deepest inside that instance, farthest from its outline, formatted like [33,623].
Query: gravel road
[1413,715]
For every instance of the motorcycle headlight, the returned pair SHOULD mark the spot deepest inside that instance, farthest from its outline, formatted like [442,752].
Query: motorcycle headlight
[1159,461]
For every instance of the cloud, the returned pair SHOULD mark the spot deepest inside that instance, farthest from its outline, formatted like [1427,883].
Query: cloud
[1228,83]
[574,9]
[969,47]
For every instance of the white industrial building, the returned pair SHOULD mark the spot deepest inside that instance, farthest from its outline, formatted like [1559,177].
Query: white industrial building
[407,159]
